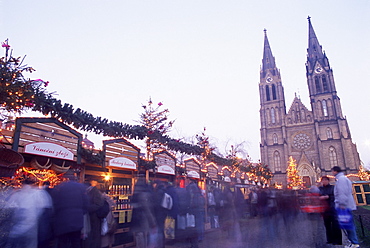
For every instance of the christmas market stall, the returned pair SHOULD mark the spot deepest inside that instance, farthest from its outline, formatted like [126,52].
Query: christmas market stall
[192,167]
[226,174]
[211,170]
[166,166]
[49,147]
[121,161]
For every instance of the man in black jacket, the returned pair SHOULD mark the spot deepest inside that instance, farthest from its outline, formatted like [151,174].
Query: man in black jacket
[333,231]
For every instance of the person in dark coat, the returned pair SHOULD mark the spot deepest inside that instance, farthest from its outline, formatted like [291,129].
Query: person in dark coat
[70,205]
[159,212]
[333,231]
[196,203]
[143,221]
[182,209]
[96,201]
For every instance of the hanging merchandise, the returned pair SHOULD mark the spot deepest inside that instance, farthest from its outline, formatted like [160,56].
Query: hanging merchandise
[9,162]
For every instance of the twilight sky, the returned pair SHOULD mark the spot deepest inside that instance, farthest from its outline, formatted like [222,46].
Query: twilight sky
[200,58]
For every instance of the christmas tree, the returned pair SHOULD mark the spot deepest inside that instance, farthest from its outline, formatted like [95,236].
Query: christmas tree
[363,174]
[294,181]
[156,122]
[203,142]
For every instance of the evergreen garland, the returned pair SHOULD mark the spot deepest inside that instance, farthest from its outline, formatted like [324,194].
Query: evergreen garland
[18,94]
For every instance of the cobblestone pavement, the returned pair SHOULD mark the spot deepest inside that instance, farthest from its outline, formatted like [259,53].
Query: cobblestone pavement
[300,231]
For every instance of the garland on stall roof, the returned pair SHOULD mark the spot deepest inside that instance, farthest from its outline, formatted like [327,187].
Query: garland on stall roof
[92,157]
[18,94]
[147,164]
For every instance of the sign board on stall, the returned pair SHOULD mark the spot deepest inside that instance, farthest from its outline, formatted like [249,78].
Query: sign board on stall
[49,150]
[192,167]
[212,171]
[166,170]
[121,154]
[122,162]
[193,174]
[165,162]
[46,137]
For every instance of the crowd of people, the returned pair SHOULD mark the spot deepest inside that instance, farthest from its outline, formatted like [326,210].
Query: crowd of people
[66,216]
[70,214]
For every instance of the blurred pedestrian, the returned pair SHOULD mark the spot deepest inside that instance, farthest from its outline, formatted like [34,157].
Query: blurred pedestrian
[196,203]
[70,205]
[107,238]
[96,201]
[6,212]
[253,201]
[333,232]
[160,212]
[211,206]
[143,222]
[182,206]
[29,203]
[344,200]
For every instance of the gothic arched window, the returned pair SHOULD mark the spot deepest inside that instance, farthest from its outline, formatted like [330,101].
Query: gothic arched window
[267,93]
[277,164]
[273,120]
[273,92]
[317,84]
[324,108]
[333,157]
[329,133]
[303,115]
[274,138]
[325,83]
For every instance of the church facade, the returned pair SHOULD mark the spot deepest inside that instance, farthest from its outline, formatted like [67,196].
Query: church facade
[317,138]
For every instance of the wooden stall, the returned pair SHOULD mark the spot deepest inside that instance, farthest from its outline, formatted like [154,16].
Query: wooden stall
[121,161]
[226,174]
[361,192]
[46,143]
[211,170]
[166,164]
[192,167]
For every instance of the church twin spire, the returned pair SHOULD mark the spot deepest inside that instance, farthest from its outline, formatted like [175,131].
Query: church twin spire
[268,61]
[314,51]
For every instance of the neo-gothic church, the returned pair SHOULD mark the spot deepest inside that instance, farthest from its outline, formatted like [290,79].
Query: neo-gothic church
[317,138]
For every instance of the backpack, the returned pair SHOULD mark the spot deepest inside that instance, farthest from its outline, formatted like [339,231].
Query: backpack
[103,211]
[167,201]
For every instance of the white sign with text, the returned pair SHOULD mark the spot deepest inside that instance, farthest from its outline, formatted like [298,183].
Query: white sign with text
[193,174]
[166,170]
[49,150]
[122,163]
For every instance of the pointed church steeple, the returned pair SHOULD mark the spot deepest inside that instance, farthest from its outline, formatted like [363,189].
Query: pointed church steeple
[320,79]
[268,61]
[314,51]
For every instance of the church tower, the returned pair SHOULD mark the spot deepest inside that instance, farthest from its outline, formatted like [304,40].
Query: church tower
[332,130]
[323,95]
[272,111]
[317,138]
